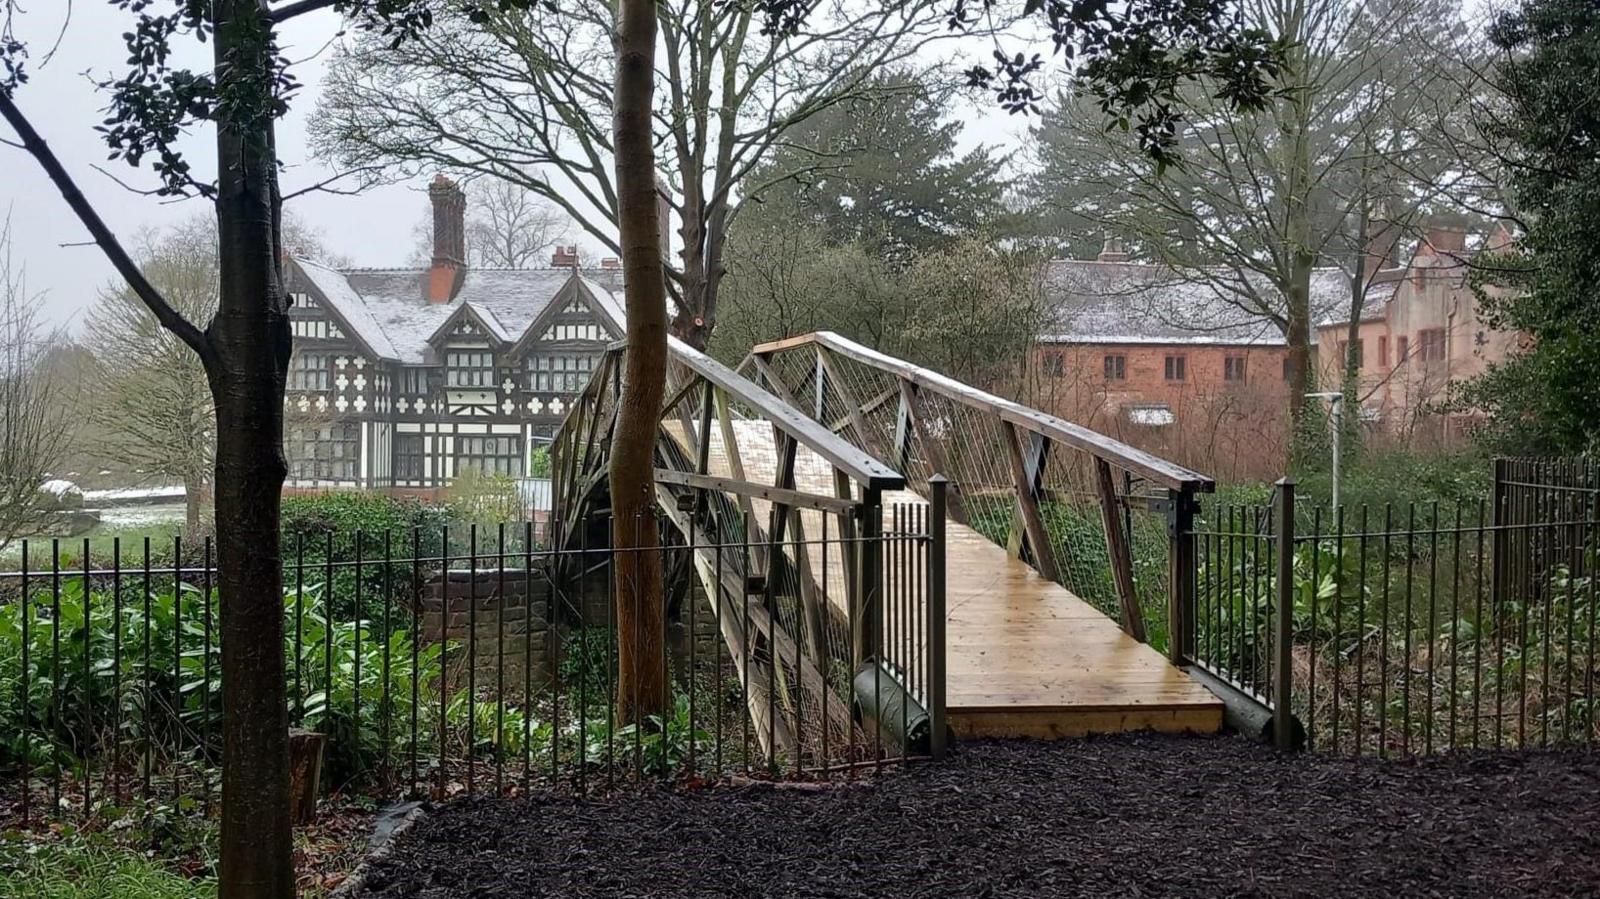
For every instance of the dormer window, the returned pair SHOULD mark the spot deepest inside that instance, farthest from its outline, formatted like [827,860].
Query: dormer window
[469,368]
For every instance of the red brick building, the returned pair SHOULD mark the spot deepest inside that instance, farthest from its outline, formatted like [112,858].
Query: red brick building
[1422,335]
[1174,365]
[1188,367]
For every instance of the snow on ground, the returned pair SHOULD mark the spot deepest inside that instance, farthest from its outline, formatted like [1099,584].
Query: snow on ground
[141,516]
[120,495]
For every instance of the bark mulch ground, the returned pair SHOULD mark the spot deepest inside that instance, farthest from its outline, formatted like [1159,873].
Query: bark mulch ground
[1128,815]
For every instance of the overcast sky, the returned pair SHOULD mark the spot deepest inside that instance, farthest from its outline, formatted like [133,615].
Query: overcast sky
[373,229]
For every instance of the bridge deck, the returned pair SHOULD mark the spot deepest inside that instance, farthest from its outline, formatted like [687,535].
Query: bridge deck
[1026,656]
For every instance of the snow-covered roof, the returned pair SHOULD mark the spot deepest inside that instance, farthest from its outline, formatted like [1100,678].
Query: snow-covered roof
[388,310]
[1141,303]
[349,305]
[608,305]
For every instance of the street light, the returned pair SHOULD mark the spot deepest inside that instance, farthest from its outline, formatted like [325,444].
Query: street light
[1336,401]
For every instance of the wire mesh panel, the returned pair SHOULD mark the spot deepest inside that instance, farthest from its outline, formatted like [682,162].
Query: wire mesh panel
[1081,508]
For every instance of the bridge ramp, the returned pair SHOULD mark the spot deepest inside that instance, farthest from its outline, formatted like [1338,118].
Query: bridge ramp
[1026,657]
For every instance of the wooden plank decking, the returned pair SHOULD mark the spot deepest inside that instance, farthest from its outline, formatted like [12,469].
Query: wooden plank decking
[1026,656]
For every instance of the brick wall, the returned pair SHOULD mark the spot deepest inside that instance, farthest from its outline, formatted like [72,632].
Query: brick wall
[516,613]
[1230,429]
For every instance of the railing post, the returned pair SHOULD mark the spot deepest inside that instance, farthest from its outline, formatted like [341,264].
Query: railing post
[869,561]
[1282,623]
[937,487]
[1499,544]
[1180,573]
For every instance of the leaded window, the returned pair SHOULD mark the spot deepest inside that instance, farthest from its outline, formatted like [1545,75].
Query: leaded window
[490,454]
[330,452]
[311,371]
[469,368]
[409,457]
[560,373]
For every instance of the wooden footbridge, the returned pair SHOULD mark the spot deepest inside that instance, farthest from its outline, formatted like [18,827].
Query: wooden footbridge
[804,489]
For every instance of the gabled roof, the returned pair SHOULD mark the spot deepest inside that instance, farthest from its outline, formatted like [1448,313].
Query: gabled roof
[480,314]
[347,307]
[387,312]
[1140,303]
[598,298]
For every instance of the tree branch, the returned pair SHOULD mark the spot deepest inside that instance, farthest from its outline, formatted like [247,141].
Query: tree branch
[163,311]
[285,13]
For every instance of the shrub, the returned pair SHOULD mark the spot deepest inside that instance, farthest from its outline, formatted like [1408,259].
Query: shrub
[1399,478]
[347,679]
[335,526]
[85,868]
[484,498]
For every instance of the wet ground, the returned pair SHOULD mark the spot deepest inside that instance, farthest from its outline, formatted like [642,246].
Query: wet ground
[1131,815]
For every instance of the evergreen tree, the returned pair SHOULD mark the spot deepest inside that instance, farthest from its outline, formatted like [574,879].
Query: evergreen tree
[881,170]
[1546,127]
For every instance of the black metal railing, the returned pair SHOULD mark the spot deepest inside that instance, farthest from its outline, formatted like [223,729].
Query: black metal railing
[1407,630]
[477,660]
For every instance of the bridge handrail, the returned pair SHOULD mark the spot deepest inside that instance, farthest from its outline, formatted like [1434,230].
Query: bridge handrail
[1152,467]
[860,466]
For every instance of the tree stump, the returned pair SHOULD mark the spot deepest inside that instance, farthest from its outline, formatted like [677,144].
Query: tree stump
[305,774]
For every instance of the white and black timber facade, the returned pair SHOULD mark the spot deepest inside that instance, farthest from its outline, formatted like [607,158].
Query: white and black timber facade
[401,379]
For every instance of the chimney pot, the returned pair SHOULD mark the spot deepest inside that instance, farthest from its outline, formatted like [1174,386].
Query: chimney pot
[1379,255]
[564,257]
[1113,250]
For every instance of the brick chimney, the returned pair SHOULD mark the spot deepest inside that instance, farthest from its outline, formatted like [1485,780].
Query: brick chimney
[564,257]
[1112,251]
[449,239]
[1380,252]
[1446,240]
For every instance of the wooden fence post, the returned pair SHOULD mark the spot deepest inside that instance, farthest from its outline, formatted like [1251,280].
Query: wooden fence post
[1118,552]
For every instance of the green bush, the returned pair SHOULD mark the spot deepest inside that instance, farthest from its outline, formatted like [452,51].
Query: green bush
[485,499]
[335,526]
[1399,478]
[349,680]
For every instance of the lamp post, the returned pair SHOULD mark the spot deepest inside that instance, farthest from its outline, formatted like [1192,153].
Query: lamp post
[1336,401]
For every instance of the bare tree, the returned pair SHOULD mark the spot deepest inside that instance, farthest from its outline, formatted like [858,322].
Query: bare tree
[34,426]
[508,226]
[153,401]
[1358,139]
[153,404]
[525,99]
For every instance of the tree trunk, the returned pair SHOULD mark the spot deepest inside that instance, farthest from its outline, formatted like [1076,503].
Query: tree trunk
[250,345]
[196,497]
[1302,380]
[641,675]
[1297,232]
